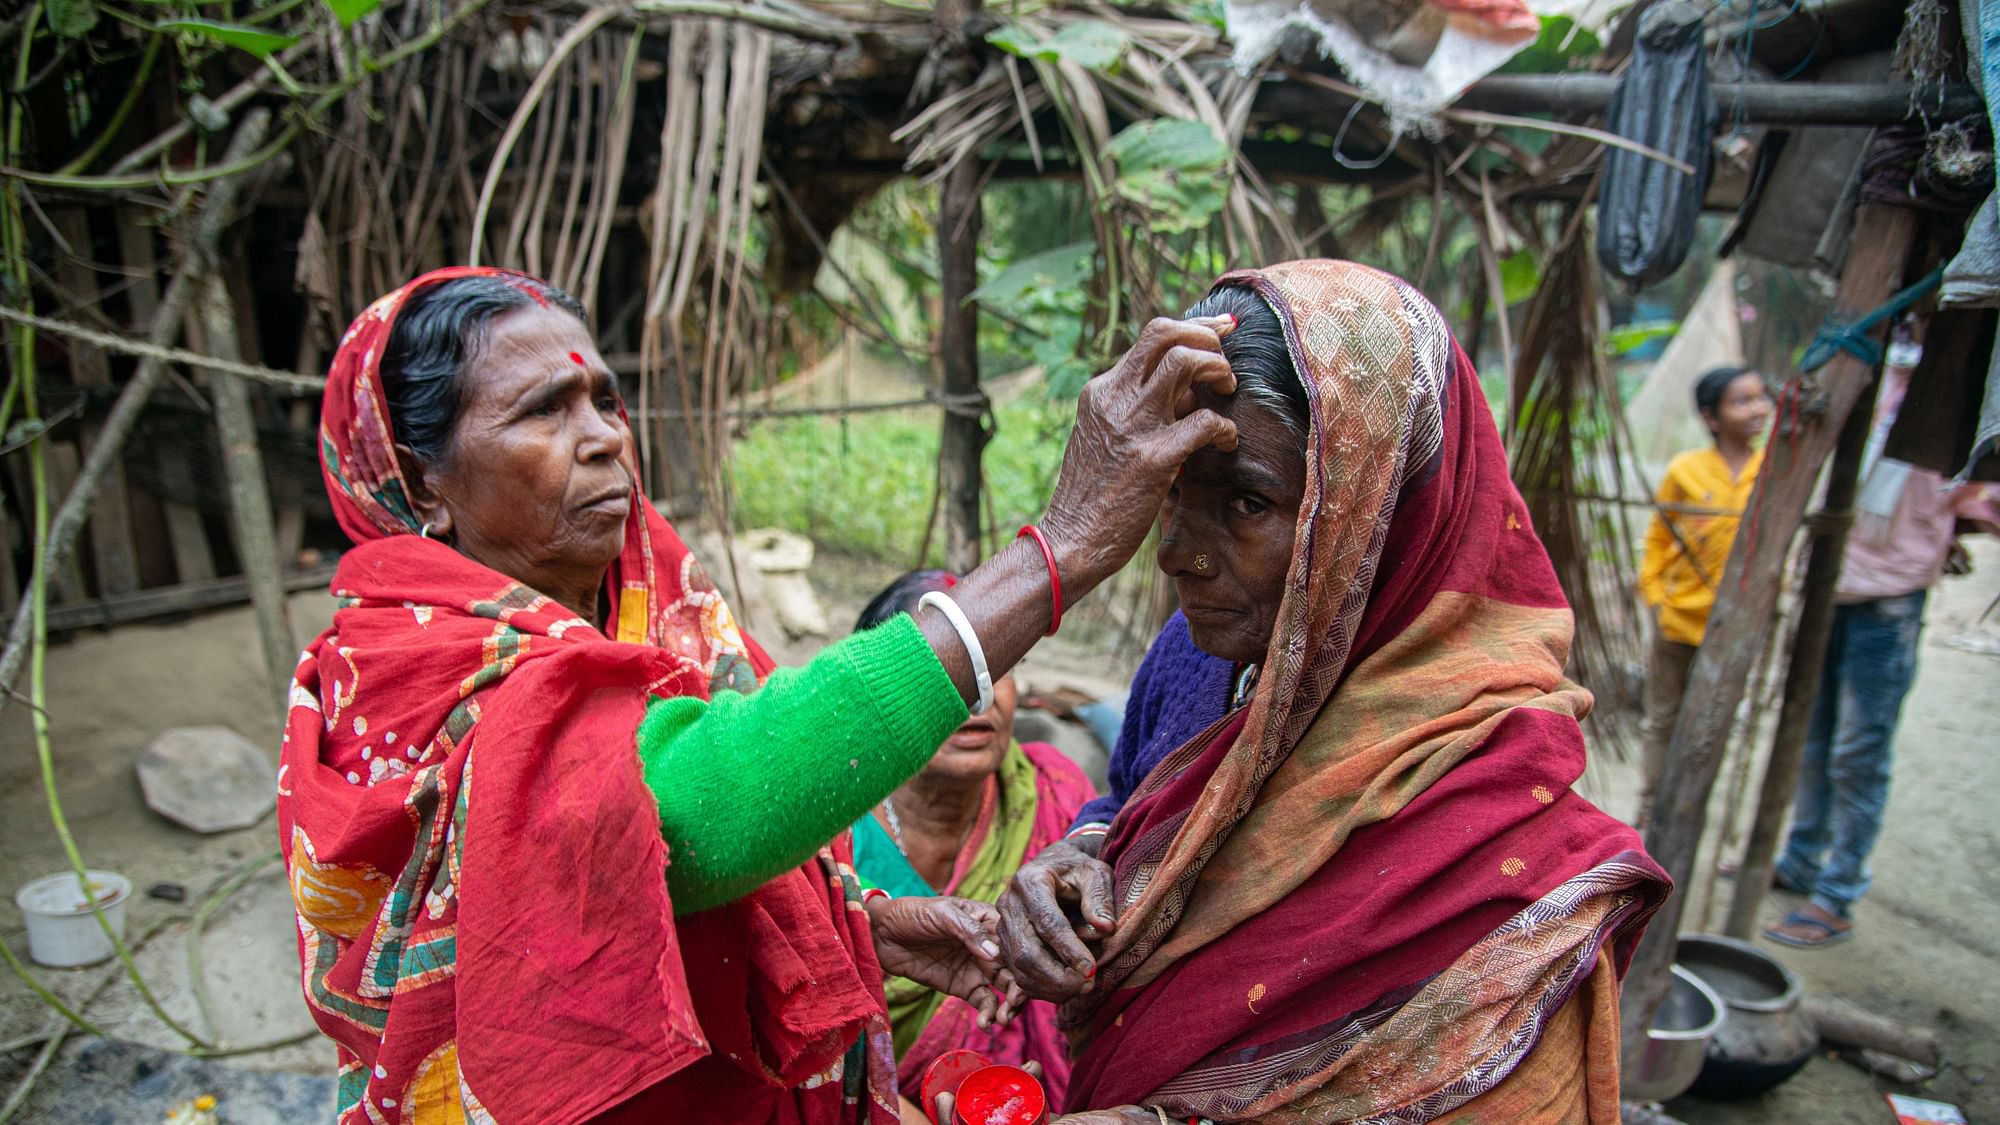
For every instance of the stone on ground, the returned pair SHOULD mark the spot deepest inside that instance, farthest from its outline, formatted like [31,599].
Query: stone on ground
[209,779]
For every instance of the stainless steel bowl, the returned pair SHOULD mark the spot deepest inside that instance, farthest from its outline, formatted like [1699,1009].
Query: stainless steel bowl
[1676,1043]
[1768,1036]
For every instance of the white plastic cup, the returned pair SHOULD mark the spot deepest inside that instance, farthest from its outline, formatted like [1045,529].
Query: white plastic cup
[62,934]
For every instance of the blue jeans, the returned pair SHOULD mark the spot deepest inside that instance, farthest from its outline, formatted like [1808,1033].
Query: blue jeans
[1871,658]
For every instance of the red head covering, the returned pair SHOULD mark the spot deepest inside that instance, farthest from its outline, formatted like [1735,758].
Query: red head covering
[1367,894]
[506,950]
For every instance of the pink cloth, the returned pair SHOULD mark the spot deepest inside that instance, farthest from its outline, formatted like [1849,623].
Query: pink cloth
[1906,552]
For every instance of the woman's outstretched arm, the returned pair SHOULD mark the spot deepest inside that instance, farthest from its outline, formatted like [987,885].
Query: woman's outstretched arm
[750,786]
[843,732]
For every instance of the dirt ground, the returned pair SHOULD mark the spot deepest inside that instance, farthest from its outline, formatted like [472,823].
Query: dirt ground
[1927,948]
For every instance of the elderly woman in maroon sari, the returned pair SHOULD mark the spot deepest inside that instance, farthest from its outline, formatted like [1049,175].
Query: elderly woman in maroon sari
[1368,893]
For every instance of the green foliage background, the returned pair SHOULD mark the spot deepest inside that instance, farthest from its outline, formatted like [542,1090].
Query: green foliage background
[864,485]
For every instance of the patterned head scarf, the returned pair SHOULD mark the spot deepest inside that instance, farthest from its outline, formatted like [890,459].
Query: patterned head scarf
[661,595]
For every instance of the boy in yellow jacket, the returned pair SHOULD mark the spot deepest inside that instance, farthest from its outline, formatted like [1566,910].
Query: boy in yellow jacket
[1702,497]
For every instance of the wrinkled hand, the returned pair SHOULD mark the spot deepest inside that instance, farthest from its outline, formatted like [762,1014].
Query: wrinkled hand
[948,944]
[1055,903]
[1135,425]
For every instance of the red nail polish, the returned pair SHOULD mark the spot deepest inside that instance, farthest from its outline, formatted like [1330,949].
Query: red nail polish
[1091,973]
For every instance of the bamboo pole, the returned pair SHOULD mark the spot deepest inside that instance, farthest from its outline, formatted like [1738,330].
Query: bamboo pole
[1802,677]
[964,434]
[1799,446]
[249,499]
[216,210]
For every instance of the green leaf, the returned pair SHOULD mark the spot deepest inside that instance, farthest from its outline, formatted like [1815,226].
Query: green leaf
[1520,276]
[1064,267]
[1560,46]
[1014,40]
[1162,143]
[1087,43]
[348,11]
[1174,170]
[254,40]
[72,19]
[1628,338]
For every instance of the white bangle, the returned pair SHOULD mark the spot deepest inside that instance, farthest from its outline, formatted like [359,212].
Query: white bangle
[942,602]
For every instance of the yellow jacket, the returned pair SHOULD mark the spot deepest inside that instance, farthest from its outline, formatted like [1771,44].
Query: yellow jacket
[1682,582]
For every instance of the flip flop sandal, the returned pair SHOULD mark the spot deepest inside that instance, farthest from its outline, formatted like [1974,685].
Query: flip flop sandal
[1831,935]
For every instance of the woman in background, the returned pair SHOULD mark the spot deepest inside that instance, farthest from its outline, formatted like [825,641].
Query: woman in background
[962,827]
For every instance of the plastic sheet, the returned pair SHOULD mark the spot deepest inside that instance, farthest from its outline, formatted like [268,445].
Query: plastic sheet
[1646,209]
[1416,58]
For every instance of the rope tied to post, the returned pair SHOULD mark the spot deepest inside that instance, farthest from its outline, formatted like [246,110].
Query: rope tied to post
[1856,336]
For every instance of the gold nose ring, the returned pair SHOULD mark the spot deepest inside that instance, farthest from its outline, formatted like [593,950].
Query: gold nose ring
[1201,562]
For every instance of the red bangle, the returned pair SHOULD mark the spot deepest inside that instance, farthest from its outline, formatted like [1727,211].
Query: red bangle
[1055,578]
[872,893]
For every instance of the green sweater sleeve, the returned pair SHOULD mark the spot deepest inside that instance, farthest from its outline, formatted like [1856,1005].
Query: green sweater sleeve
[750,786]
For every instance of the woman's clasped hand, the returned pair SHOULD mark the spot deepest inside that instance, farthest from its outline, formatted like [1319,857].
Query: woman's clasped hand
[1056,903]
[949,944]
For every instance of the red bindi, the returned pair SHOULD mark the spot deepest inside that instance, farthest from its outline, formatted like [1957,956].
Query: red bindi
[576,359]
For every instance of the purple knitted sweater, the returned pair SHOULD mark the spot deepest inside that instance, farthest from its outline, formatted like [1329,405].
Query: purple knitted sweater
[1178,692]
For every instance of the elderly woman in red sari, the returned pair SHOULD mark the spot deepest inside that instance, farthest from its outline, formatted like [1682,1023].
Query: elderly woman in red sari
[962,826]
[1368,893]
[563,845]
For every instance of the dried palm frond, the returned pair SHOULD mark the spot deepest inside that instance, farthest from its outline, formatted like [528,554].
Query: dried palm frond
[1168,70]
[711,138]
[1569,456]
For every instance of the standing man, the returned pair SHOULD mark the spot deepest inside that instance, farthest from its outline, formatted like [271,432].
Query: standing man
[1700,502]
[1906,520]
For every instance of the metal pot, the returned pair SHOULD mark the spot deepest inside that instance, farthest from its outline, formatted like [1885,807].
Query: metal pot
[1768,1036]
[1676,1041]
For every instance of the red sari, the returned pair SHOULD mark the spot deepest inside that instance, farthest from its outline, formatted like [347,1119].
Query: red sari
[1370,895]
[505,950]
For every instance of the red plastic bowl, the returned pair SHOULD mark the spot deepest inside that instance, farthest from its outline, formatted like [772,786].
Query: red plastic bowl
[944,1075]
[1001,1095]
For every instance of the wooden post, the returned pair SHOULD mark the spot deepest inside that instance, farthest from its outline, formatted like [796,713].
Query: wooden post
[1802,674]
[964,435]
[194,560]
[66,578]
[110,521]
[249,499]
[1882,240]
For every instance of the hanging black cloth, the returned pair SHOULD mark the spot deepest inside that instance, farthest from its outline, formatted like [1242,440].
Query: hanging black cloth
[1646,210]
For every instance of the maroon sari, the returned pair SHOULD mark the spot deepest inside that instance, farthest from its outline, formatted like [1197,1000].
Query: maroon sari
[1370,894]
